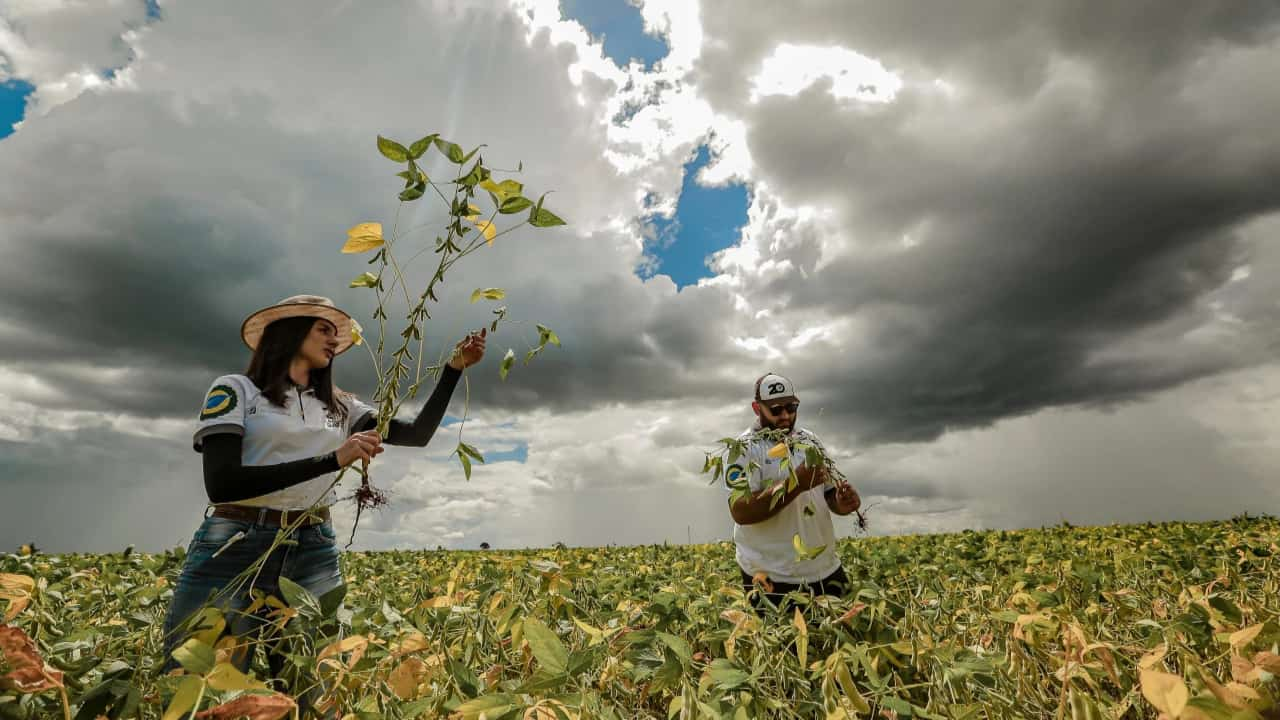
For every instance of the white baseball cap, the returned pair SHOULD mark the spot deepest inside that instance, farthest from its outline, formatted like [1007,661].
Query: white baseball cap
[774,387]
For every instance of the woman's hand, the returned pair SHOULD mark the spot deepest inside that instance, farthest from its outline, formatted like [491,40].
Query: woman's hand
[363,446]
[469,351]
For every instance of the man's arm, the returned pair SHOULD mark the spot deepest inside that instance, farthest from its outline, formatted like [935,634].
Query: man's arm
[760,506]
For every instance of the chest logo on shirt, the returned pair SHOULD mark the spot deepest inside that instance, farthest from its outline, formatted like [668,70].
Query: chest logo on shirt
[332,421]
[220,401]
[734,476]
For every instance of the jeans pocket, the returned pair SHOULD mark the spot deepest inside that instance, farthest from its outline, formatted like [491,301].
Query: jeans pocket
[216,531]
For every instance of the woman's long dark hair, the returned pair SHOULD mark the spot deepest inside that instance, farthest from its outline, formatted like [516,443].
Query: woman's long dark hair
[269,366]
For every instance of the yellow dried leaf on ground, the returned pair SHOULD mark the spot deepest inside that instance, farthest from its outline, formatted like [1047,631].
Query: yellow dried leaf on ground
[1241,638]
[1167,692]
[407,676]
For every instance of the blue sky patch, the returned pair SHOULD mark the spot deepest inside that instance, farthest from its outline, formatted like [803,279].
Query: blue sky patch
[13,104]
[619,24]
[707,220]
[519,453]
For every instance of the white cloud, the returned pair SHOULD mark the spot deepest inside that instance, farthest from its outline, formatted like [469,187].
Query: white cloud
[792,68]
[222,164]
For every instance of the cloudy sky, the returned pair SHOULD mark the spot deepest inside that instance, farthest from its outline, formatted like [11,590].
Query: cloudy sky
[1020,261]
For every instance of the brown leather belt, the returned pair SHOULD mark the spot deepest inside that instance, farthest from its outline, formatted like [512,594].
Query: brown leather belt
[269,516]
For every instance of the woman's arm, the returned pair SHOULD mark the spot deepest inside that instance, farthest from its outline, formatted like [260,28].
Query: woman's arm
[228,480]
[419,432]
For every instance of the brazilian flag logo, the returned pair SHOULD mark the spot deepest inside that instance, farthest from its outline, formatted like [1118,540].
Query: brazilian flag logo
[220,401]
[735,476]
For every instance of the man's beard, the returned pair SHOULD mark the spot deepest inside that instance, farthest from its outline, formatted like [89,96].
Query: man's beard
[770,425]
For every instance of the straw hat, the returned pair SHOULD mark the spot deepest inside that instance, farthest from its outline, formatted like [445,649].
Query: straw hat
[298,306]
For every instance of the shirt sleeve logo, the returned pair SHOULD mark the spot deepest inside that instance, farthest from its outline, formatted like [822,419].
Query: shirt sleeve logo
[735,476]
[220,401]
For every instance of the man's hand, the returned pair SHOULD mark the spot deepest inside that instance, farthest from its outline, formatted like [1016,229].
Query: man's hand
[468,351]
[846,499]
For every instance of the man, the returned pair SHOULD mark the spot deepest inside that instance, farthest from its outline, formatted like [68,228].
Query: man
[768,517]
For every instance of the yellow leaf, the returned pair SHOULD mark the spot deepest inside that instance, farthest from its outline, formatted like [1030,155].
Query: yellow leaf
[17,589]
[845,680]
[549,710]
[486,227]
[185,698]
[596,634]
[1165,691]
[363,238]
[410,643]
[473,212]
[804,552]
[406,677]
[778,451]
[1268,661]
[1244,671]
[210,626]
[355,644]
[1153,658]
[357,333]
[802,637]
[1241,638]
[227,678]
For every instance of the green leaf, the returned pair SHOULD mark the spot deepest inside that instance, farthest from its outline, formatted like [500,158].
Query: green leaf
[450,150]
[542,217]
[546,646]
[392,149]
[469,450]
[513,205]
[365,280]
[418,177]
[546,335]
[332,600]
[298,597]
[488,294]
[420,146]
[413,193]
[726,675]
[466,463]
[467,680]
[195,657]
[415,709]
[507,361]
[490,706]
[679,645]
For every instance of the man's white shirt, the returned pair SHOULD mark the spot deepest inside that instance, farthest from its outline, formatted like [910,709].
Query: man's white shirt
[767,546]
[302,428]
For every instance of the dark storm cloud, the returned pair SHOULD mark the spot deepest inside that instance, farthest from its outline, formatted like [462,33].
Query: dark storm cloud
[1000,241]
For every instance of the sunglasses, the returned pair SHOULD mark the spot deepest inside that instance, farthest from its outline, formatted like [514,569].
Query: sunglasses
[790,407]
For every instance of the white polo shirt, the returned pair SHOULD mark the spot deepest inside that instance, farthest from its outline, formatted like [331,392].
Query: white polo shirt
[302,428]
[767,546]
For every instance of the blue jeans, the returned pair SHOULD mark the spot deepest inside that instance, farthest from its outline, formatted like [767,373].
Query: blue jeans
[312,563]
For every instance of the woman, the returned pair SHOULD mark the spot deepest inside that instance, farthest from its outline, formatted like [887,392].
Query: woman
[273,441]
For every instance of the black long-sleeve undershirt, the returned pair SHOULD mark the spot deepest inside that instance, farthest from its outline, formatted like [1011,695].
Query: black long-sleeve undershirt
[228,480]
[419,432]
